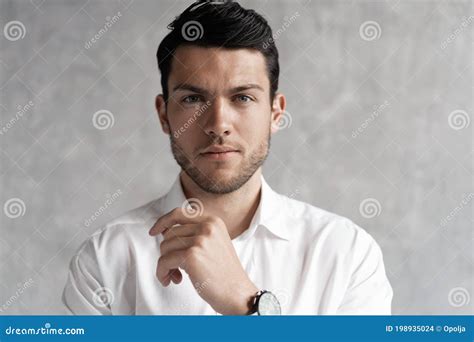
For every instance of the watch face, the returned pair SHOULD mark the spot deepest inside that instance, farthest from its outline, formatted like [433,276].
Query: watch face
[268,304]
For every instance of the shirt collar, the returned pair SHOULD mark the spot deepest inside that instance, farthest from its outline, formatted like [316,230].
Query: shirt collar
[270,212]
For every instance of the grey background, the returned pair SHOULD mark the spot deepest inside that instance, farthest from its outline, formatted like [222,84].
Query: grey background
[410,157]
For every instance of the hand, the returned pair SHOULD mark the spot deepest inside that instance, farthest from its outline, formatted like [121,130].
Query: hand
[201,246]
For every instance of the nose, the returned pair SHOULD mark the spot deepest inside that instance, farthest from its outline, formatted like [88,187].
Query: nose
[218,122]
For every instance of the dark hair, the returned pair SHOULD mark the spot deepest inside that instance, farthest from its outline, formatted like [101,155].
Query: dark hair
[219,24]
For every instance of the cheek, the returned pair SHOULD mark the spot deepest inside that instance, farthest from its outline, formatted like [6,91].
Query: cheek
[254,132]
[184,123]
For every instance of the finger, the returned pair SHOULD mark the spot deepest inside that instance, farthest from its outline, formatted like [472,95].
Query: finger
[175,275]
[171,244]
[175,216]
[181,231]
[172,260]
[175,243]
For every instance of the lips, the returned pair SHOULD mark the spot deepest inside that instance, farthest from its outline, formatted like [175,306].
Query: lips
[220,149]
[220,152]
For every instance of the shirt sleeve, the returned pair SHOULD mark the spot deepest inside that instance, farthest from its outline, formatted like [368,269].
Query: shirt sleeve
[369,291]
[84,293]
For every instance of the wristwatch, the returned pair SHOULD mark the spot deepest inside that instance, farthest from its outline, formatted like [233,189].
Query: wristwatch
[265,303]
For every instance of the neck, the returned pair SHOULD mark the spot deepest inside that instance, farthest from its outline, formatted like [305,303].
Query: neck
[236,209]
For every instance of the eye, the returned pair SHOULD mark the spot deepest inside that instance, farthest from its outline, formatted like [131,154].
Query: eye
[191,99]
[243,98]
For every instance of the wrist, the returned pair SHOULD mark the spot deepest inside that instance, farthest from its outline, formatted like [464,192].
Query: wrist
[244,300]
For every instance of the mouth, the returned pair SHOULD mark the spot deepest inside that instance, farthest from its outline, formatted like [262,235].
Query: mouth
[219,152]
[220,155]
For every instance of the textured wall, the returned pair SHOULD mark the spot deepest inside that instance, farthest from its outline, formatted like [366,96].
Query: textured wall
[378,129]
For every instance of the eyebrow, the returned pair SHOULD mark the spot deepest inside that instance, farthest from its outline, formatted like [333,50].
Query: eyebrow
[196,89]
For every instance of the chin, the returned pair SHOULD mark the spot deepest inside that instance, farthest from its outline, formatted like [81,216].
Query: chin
[220,181]
[221,175]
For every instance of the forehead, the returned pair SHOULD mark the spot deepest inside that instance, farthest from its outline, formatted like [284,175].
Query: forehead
[218,67]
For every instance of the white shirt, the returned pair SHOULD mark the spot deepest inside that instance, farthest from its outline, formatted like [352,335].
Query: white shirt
[315,262]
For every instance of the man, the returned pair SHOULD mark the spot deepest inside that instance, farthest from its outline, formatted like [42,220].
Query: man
[222,241]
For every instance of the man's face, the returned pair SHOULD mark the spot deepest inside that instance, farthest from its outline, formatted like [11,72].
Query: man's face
[219,115]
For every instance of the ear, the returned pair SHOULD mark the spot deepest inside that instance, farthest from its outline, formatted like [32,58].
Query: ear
[160,105]
[278,108]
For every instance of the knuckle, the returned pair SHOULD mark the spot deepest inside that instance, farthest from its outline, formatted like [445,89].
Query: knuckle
[171,216]
[215,220]
[162,247]
[191,253]
[160,262]
[207,228]
[200,241]
[175,211]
